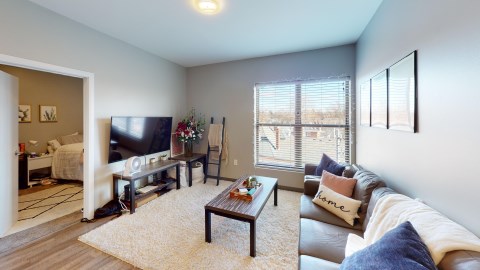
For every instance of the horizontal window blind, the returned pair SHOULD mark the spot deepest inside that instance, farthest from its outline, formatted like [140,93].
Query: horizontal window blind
[296,122]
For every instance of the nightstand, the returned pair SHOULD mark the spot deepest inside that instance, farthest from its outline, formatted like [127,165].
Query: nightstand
[37,163]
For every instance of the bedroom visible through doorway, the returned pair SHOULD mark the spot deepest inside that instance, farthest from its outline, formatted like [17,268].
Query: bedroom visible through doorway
[86,93]
[51,152]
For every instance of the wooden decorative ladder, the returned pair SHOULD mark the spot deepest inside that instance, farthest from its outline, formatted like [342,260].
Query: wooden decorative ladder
[219,163]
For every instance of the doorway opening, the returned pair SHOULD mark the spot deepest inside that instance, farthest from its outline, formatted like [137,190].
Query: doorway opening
[50,177]
[88,119]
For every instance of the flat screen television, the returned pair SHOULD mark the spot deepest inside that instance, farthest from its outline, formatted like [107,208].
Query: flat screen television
[138,136]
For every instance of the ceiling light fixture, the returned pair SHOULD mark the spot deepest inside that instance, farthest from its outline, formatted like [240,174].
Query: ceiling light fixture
[208,7]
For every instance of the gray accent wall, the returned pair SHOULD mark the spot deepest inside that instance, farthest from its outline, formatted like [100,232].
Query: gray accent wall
[438,163]
[227,89]
[128,81]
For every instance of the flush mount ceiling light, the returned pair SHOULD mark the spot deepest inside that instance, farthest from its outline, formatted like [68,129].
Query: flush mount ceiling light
[208,7]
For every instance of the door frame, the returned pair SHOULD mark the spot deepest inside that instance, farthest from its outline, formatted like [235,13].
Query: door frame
[88,119]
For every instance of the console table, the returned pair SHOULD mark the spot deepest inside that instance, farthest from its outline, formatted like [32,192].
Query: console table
[145,171]
[190,160]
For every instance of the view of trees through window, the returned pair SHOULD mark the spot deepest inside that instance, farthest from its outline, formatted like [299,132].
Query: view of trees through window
[296,122]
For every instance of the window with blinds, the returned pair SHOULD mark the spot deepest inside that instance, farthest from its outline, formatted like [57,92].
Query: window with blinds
[296,122]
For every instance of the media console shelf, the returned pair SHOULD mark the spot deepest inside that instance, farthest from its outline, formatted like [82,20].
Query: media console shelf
[145,171]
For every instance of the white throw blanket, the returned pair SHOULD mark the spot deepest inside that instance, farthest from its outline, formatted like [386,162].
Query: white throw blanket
[67,162]
[439,233]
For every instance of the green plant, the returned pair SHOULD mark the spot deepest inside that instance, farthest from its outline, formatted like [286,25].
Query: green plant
[50,115]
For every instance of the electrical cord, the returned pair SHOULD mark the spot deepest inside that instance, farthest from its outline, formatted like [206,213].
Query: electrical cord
[122,205]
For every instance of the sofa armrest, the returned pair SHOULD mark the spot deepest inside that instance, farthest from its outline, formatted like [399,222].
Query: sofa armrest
[310,185]
[310,169]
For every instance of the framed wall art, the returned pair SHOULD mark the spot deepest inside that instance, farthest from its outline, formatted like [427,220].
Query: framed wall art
[176,147]
[379,97]
[402,94]
[24,114]
[365,103]
[48,113]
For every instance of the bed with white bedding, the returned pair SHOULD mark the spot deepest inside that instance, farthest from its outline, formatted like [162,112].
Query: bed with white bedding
[67,162]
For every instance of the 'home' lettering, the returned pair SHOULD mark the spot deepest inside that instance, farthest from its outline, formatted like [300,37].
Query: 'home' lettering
[324,199]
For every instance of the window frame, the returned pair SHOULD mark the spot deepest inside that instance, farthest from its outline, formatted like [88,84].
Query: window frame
[298,127]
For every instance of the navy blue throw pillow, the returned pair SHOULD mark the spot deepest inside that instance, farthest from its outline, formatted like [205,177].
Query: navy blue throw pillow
[400,248]
[329,165]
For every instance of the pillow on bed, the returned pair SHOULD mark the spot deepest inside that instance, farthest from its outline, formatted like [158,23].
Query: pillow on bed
[69,139]
[54,144]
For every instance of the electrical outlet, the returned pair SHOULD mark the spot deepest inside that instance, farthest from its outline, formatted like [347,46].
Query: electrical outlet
[235,162]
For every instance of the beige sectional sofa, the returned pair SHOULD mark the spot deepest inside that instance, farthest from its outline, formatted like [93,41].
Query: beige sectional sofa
[323,236]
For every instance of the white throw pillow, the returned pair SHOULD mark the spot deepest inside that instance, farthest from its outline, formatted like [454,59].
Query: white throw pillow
[354,244]
[54,144]
[337,204]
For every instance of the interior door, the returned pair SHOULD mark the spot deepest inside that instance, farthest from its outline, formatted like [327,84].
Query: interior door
[8,152]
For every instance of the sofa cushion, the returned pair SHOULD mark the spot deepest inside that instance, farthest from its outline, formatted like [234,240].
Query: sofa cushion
[339,184]
[400,248]
[366,182]
[341,206]
[312,211]
[460,260]
[311,184]
[322,240]
[309,169]
[308,262]
[349,171]
[329,165]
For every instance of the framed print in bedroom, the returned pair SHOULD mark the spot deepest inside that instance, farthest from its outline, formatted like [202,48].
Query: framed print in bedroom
[402,94]
[379,96]
[48,113]
[24,114]
[176,146]
[365,104]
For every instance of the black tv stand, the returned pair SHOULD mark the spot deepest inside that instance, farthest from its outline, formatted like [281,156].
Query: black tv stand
[145,171]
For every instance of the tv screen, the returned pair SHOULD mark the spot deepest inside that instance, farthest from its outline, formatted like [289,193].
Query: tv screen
[138,136]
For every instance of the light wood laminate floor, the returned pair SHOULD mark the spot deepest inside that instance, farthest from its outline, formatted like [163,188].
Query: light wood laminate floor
[59,250]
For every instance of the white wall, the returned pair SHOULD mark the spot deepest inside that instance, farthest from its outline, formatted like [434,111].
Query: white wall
[226,89]
[437,164]
[128,81]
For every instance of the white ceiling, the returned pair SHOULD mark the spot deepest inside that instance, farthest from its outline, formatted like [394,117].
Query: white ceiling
[173,30]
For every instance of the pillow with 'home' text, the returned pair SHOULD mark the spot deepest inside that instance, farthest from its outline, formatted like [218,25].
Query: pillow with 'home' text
[337,204]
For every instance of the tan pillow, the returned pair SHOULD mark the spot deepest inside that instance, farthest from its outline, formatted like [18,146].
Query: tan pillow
[337,204]
[339,184]
[69,139]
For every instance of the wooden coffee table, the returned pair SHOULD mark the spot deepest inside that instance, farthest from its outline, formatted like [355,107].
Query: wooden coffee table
[239,209]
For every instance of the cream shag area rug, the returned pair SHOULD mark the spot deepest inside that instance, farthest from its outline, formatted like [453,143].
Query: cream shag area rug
[169,233]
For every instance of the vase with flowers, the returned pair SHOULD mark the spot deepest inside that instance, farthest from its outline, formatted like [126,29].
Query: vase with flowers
[190,130]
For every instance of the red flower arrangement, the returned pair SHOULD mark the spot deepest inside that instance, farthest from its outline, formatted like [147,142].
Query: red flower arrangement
[191,128]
